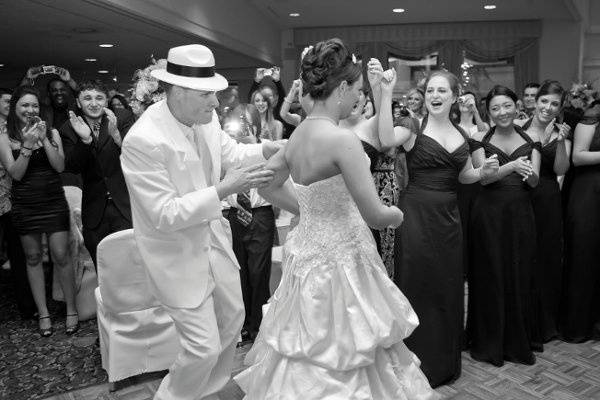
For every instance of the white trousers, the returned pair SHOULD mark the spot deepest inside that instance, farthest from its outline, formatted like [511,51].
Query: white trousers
[208,335]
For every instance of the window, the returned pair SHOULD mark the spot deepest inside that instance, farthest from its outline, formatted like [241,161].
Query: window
[480,77]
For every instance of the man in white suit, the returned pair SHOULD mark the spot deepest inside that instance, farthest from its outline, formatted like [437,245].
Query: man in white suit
[172,159]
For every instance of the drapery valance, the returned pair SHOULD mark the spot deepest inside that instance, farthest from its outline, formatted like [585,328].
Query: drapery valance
[479,41]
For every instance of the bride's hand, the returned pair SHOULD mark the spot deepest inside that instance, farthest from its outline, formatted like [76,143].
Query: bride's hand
[396,217]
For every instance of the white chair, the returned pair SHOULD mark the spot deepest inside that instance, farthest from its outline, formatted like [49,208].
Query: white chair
[136,334]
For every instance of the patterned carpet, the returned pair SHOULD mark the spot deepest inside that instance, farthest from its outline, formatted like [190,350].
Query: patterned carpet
[68,368]
[33,367]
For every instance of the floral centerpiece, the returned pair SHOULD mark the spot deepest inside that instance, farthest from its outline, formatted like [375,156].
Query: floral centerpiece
[146,89]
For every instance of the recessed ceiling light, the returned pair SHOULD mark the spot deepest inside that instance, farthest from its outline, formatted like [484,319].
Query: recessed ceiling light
[489,6]
[90,59]
[103,71]
[398,10]
[294,14]
[106,45]
[1,65]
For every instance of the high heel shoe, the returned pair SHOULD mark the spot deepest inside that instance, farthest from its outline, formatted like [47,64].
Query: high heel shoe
[71,329]
[45,332]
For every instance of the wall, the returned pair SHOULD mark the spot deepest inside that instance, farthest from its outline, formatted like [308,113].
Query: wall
[559,51]
[591,55]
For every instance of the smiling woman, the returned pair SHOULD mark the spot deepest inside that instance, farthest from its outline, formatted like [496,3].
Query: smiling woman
[503,322]
[429,268]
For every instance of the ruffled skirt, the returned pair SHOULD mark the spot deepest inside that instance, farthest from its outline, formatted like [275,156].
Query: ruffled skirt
[334,329]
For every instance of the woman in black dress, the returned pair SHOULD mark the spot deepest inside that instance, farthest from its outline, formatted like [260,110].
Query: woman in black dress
[33,156]
[581,308]
[547,204]
[428,248]
[501,318]
[382,158]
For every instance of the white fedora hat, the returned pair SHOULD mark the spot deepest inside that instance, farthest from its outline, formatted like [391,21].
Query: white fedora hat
[192,67]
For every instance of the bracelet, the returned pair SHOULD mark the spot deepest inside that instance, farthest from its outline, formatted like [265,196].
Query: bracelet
[287,101]
[27,148]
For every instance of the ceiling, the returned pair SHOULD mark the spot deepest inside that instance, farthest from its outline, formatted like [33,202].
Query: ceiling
[317,13]
[65,32]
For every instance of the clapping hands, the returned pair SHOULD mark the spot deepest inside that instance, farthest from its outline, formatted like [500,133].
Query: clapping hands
[563,130]
[80,127]
[490,166]
[34,132]
[523,167]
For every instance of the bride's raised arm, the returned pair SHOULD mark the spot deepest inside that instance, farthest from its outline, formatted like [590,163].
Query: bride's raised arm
[350,158]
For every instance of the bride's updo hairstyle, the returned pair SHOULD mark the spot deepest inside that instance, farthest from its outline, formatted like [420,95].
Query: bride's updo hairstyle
[325,66]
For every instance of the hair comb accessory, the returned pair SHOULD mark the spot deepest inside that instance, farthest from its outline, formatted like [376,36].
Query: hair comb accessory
[305,51]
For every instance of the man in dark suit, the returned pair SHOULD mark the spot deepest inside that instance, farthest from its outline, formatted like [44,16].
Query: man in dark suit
[92,146]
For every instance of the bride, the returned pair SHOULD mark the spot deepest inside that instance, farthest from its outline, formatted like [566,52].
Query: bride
[336,324]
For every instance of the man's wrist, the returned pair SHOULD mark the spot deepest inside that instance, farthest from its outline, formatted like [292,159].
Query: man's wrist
[222,190]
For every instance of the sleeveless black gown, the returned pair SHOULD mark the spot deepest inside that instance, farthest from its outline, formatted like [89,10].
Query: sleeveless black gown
[548,272]
[429,256]
[581,300]
[38,199]
[501,318]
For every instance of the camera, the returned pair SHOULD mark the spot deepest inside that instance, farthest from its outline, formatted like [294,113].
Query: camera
[49,69]
[404,111]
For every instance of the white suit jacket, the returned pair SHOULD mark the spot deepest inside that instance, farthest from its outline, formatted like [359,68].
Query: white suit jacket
[173,210]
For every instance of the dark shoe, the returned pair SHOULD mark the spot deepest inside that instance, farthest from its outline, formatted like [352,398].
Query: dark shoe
[71,329]
[45,332]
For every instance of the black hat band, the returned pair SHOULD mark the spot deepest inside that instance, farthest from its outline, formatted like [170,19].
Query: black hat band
[190,72]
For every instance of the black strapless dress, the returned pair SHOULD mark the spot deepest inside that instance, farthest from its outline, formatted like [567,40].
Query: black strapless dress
[581,300]
[38,199]
[502,319]
[429,256]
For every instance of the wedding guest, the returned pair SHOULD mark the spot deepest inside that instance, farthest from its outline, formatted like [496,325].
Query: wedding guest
[581,311]
[555,152]
[261,83]
[501,323]
[415,103]
[382,159]
[5,95]
[469,119]
[10,243]
[32,154]
[304,100]
[271,129]
[252,228]
[428,248]
[529,98]
[61,92]
[118,101]
[92,145]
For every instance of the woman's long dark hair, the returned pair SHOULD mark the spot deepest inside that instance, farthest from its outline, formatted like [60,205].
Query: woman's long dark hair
[123,101]
[12,121]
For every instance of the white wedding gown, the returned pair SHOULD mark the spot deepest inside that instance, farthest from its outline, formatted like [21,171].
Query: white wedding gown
[335,326]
